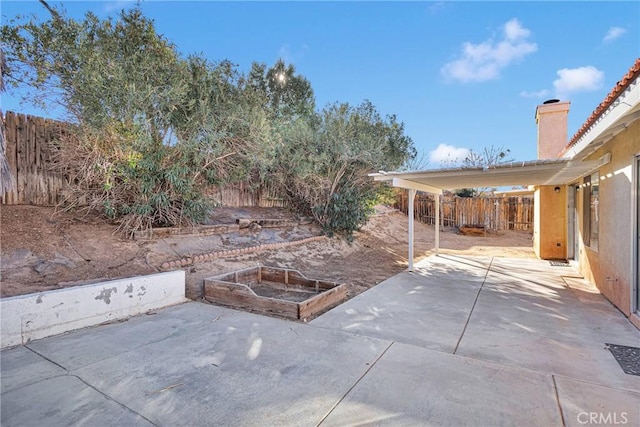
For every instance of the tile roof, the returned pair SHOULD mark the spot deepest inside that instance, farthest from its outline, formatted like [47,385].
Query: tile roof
[618,89]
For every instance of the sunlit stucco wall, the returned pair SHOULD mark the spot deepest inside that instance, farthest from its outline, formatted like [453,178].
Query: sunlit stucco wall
[550,223]
[552,128]
[610,266]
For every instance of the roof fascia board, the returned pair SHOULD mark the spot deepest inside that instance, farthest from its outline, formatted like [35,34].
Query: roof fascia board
[381,177]
[408,184]
[497,169]
[434,173]
[625,103]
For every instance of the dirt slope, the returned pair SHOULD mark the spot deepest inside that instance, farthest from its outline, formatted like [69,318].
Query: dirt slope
[41,249]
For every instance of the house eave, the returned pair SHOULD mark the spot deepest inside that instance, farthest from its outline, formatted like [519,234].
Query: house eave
[613,120]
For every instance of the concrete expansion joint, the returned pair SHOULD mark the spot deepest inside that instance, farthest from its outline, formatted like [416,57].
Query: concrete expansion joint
[47,359]
[475,301]
[187,261]
[106,396]
[592,383]
[356,383]
[557,395]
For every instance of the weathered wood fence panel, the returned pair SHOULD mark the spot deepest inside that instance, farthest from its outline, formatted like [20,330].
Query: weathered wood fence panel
[245,195]
[496,213]
[29,150]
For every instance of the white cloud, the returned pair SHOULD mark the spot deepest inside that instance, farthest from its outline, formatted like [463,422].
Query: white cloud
[513,30]
[614,33]
[484,61]
[537,94]
[448,154]
[581,79]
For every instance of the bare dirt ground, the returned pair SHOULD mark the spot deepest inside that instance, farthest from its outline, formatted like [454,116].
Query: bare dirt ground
[42,250]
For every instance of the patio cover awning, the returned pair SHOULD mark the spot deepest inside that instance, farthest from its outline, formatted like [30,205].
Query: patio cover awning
[535,172]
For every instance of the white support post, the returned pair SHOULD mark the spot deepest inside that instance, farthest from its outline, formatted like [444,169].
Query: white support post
[412,195]
[437,223]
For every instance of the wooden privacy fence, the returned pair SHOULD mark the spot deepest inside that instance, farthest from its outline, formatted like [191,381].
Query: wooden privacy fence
[244,195]
[29,149]
[496,213]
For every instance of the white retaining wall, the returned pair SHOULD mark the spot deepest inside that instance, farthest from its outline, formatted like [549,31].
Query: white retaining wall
[34,316]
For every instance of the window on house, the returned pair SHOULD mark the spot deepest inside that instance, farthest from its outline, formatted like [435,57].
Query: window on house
[591,200]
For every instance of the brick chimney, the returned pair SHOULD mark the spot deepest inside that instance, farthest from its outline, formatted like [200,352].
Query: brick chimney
[551,118]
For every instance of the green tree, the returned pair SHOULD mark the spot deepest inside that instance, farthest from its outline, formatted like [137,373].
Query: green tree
[98,70]
[279,90]
[152,128]
[324,162]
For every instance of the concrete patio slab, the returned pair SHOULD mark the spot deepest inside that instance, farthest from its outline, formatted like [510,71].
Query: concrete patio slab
[540,324]
[92,345]
[525,316]
[428,307]
[571,305]
[529,350]
[228,368]
[466,268]
[587,404]
[64,401]
[591,363]
[21,367]
[412,308]
[531,268]
[412,386]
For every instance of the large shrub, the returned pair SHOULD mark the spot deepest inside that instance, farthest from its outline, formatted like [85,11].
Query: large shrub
[152,129]
[324,162]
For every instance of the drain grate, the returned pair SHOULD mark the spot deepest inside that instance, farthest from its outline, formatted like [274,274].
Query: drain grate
[627,357]
[559,263]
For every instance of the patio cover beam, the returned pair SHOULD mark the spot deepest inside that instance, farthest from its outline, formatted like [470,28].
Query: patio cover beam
[408,184]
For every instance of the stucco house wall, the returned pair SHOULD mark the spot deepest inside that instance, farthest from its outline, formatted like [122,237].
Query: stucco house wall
[536,222]
[550,222]
[608,267]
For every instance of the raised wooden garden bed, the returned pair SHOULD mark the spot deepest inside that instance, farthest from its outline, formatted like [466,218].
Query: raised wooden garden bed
[473,230]
[277,291]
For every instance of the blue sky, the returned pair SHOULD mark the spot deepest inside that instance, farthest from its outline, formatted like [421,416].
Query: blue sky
[460,75]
